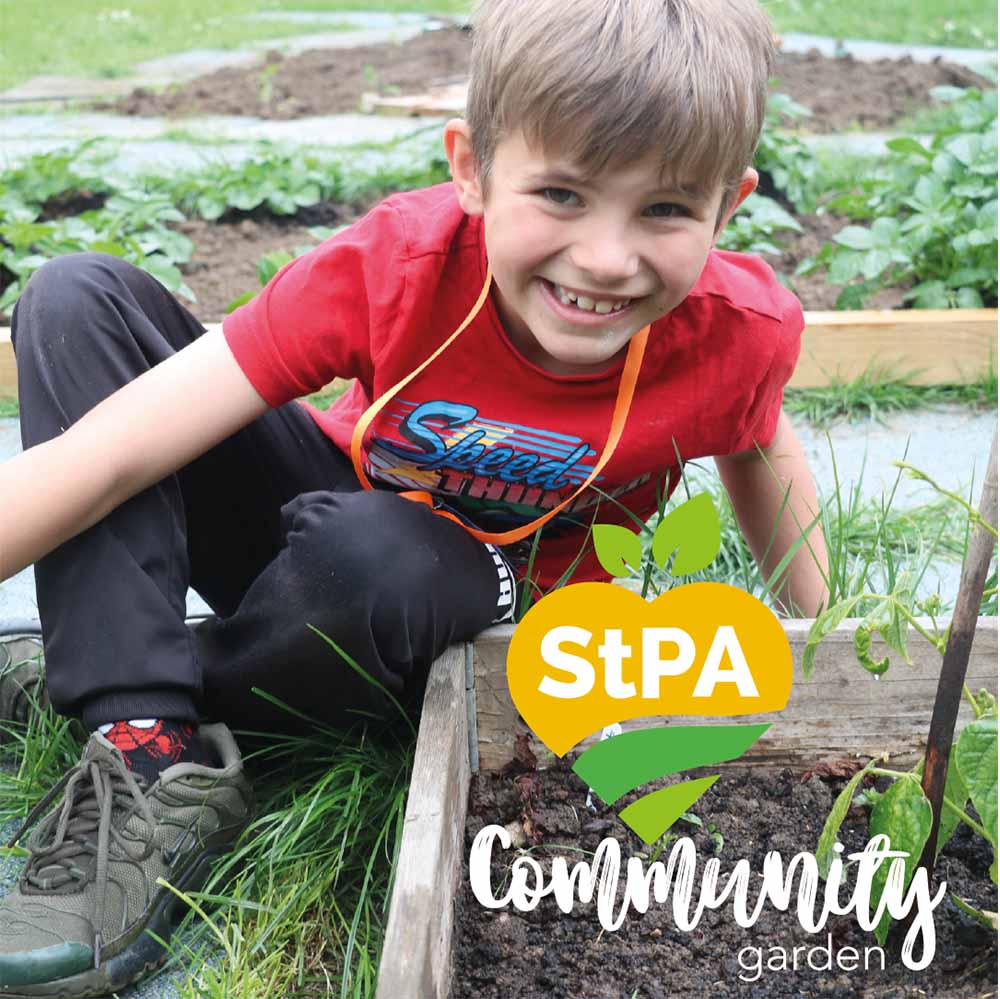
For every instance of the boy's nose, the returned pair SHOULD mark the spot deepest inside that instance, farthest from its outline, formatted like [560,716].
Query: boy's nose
[606,257]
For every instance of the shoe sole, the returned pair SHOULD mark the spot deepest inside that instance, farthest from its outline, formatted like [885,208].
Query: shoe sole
[141,957]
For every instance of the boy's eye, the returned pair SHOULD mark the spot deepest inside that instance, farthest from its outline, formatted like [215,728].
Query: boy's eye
[559,195]
[667,210]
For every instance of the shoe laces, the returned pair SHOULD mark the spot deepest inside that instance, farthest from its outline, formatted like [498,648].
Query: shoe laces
[84,827]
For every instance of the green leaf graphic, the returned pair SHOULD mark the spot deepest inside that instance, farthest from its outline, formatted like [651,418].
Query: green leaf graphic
[617,548]
[615,766]
[976,757]
[904,815]
[693,531]
[650,817]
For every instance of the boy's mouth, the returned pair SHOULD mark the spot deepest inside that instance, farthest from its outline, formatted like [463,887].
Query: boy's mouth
[603,307]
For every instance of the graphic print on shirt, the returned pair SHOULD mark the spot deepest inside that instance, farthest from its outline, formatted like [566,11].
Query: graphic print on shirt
[498,473]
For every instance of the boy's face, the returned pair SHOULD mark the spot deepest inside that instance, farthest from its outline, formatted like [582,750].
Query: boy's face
[580,265]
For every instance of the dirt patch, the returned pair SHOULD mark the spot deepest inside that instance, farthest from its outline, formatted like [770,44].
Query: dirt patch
[224,263]
[842,93]
[546,954]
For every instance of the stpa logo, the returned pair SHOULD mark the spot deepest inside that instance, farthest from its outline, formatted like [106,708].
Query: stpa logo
[592,654]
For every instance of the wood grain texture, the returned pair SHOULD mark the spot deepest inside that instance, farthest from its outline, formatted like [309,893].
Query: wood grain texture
[841,711]
[926,346]
[416,956]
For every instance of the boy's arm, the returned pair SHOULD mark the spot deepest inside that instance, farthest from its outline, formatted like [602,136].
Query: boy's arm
[756,482]
[146,430]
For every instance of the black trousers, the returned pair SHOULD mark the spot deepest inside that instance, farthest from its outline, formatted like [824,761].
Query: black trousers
[271,527]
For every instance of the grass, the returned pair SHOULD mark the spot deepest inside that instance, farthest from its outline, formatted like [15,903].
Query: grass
[872,545]
[961,22]
[299,908]
[874,395]
[108,37]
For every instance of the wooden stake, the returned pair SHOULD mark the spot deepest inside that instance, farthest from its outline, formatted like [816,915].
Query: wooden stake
[956,656]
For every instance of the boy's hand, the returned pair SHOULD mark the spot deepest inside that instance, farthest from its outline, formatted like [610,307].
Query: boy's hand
[757,482]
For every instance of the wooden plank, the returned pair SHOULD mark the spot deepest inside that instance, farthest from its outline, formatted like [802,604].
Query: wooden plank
[437,102]
[931,346]
[841,711]
[926,346]
[416,954]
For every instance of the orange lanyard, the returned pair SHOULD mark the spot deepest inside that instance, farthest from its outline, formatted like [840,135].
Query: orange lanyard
[626,389]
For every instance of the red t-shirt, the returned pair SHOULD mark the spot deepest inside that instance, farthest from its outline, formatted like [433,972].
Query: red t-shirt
[496,437]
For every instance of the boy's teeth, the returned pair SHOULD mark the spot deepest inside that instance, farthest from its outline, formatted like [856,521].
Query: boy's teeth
[588,304]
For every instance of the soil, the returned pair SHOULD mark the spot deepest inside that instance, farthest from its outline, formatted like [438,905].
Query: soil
[842,93]
[546,954]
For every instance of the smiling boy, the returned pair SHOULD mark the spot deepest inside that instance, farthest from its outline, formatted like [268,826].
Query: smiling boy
[599,340]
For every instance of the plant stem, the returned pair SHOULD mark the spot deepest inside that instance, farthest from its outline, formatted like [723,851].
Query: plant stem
[966,818]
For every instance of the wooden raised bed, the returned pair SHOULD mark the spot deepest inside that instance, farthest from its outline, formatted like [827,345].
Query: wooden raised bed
[928,347]
[469,723]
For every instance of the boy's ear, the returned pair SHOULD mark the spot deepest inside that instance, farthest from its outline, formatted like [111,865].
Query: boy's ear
[748,184]
[458,149]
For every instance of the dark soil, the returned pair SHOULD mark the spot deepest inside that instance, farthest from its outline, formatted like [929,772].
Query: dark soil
[546,954]
[224,263]
[842,93]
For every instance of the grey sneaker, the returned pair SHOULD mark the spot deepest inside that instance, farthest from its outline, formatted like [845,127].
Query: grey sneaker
[22,678]
[75,924]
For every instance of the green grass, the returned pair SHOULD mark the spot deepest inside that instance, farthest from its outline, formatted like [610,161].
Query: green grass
[89,44]
[299,907]
[962,22]
[93,45]
[875,395]
[872,544]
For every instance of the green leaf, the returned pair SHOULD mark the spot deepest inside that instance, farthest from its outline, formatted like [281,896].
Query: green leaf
[822,626]
[693,530]
[969,298]
[855,238]
[904,815]
[874,262]
[828,837]
[270,263]
[247,296]
[885,232]
[908,146]
[977,764]
[617,548]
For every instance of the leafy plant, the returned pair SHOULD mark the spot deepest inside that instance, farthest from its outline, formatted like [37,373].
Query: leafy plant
[784,161]
[132,224]
[903,812]
[931,214]
[752,229]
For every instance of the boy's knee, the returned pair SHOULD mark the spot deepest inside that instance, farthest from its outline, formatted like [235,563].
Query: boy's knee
[59,295]
[371,545]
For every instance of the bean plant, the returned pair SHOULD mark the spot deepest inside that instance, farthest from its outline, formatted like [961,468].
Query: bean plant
[902,811]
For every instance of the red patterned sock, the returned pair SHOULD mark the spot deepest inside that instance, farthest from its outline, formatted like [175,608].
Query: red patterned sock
[150,745]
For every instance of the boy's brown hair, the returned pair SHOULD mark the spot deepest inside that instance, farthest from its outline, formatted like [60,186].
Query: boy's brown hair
[604,82]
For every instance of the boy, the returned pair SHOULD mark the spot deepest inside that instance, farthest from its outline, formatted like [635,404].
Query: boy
[606,145]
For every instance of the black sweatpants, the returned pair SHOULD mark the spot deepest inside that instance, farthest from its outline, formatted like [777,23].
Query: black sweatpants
[271,527]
